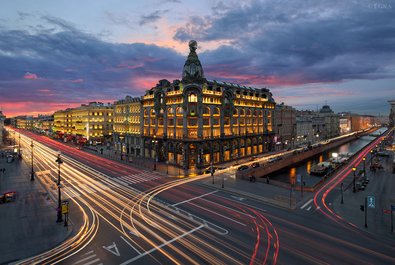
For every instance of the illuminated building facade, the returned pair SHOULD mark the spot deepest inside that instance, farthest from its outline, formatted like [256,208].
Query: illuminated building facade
[392,113]
[127,126]
[285,126]
[195,121]
[92,121]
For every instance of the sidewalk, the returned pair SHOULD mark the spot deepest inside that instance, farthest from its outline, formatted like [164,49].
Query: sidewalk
[382,187]
[263,192]
[28,224]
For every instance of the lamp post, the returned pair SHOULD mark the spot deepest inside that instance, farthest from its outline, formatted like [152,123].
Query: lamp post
[371,157]
[364,165]
[212,171]
[353,180]
[59,210]
[341,190]
[19,145]
[32,173]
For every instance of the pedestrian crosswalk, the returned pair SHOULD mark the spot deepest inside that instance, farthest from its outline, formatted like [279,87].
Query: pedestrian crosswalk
[144,176]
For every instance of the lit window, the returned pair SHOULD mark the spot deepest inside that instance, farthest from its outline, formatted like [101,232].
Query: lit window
[192,97]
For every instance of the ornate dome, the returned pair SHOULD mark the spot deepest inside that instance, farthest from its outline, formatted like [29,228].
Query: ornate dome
[193,70]
[326,109]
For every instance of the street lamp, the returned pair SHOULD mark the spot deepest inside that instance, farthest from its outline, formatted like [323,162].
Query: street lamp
[371,157]
[59,216]
[32,173]
[212,171]
[364,169]
[353,181]
[156,151]
[19,145]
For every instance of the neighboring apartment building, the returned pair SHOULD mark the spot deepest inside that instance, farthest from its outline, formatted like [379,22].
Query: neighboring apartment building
[194,122]
[91,121]
[285,126]
[23,122]
[331,121]
[43,123]
[127,126]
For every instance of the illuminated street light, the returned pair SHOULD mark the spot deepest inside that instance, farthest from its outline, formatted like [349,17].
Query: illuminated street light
[353,181]
[364,169]
[32,173]
[59,210]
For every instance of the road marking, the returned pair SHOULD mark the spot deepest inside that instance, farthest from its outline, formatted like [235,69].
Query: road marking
[238,198]
[246,214]
[251,206]
[162,245]
[85,259]
[113,249]
[178,203]
[133,233]
[307,203]
[223,216]
[93,261]
[127,242]
[308,209]
[87,253]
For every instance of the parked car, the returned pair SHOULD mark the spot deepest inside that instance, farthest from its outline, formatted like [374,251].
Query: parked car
[255,165]
[243,167]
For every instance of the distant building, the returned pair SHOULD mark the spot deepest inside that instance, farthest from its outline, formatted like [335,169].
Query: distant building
[2,119]
[285,126]
[23,122]
[331,123]
[127,126]
[194,122]
[91,121]
[43,123]
[351,122]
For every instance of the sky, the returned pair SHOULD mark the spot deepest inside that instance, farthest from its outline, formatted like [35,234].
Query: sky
[60,54]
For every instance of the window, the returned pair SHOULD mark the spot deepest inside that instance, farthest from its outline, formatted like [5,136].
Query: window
[216,121]
[235,112]
[171,122]
[206,121]
[192,122]
[216,111]
[179,110]
[170,111]
[192,97]
[206,111]
[179,122]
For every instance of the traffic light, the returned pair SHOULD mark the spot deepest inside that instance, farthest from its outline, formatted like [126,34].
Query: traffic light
[362,208]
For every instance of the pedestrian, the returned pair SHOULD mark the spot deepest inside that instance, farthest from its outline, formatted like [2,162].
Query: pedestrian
[267,180]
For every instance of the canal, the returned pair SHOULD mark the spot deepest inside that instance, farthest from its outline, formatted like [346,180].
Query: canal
[303,168]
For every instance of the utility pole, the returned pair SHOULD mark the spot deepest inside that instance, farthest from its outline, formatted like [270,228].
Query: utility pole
[32,173]
[59,216]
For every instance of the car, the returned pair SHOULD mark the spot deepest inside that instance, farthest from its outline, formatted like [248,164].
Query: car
[255,165]
[243,167]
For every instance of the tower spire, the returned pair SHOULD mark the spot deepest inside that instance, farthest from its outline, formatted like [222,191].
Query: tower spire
[193,70]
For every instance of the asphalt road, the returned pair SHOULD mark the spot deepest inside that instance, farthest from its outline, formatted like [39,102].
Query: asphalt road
[135,216]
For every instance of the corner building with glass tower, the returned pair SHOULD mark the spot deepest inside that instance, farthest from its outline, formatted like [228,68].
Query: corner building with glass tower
[195,122]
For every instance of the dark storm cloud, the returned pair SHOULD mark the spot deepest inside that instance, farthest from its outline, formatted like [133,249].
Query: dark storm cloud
[301,41]
[64,64]
[152,17]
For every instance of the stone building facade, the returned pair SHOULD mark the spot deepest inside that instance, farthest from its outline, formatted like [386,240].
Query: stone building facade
[285,126]
[2,119]
[127,126]
[194,121]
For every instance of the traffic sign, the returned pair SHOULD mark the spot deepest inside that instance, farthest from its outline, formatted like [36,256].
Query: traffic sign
[371,202]
[298,178]
[65,207]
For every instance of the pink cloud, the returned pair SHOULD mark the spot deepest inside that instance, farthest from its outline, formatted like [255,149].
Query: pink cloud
[31,76]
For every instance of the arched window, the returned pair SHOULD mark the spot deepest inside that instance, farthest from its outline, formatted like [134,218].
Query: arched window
[235,112]
[192,97]
[152,112]
[206,111]
[242,112]
[216,111]
[248,112]
[170,111]
[179,110]
[145,112]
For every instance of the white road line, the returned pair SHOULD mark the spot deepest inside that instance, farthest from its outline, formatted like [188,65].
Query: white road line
[85,259]
[161,246]
[223,216]
[120,181]
[87,253]
[308,209]
[194,198]
[93,261]
[127,242]
[307,203]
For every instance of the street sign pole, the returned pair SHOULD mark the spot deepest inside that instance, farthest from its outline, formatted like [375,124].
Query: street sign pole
[366,212]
